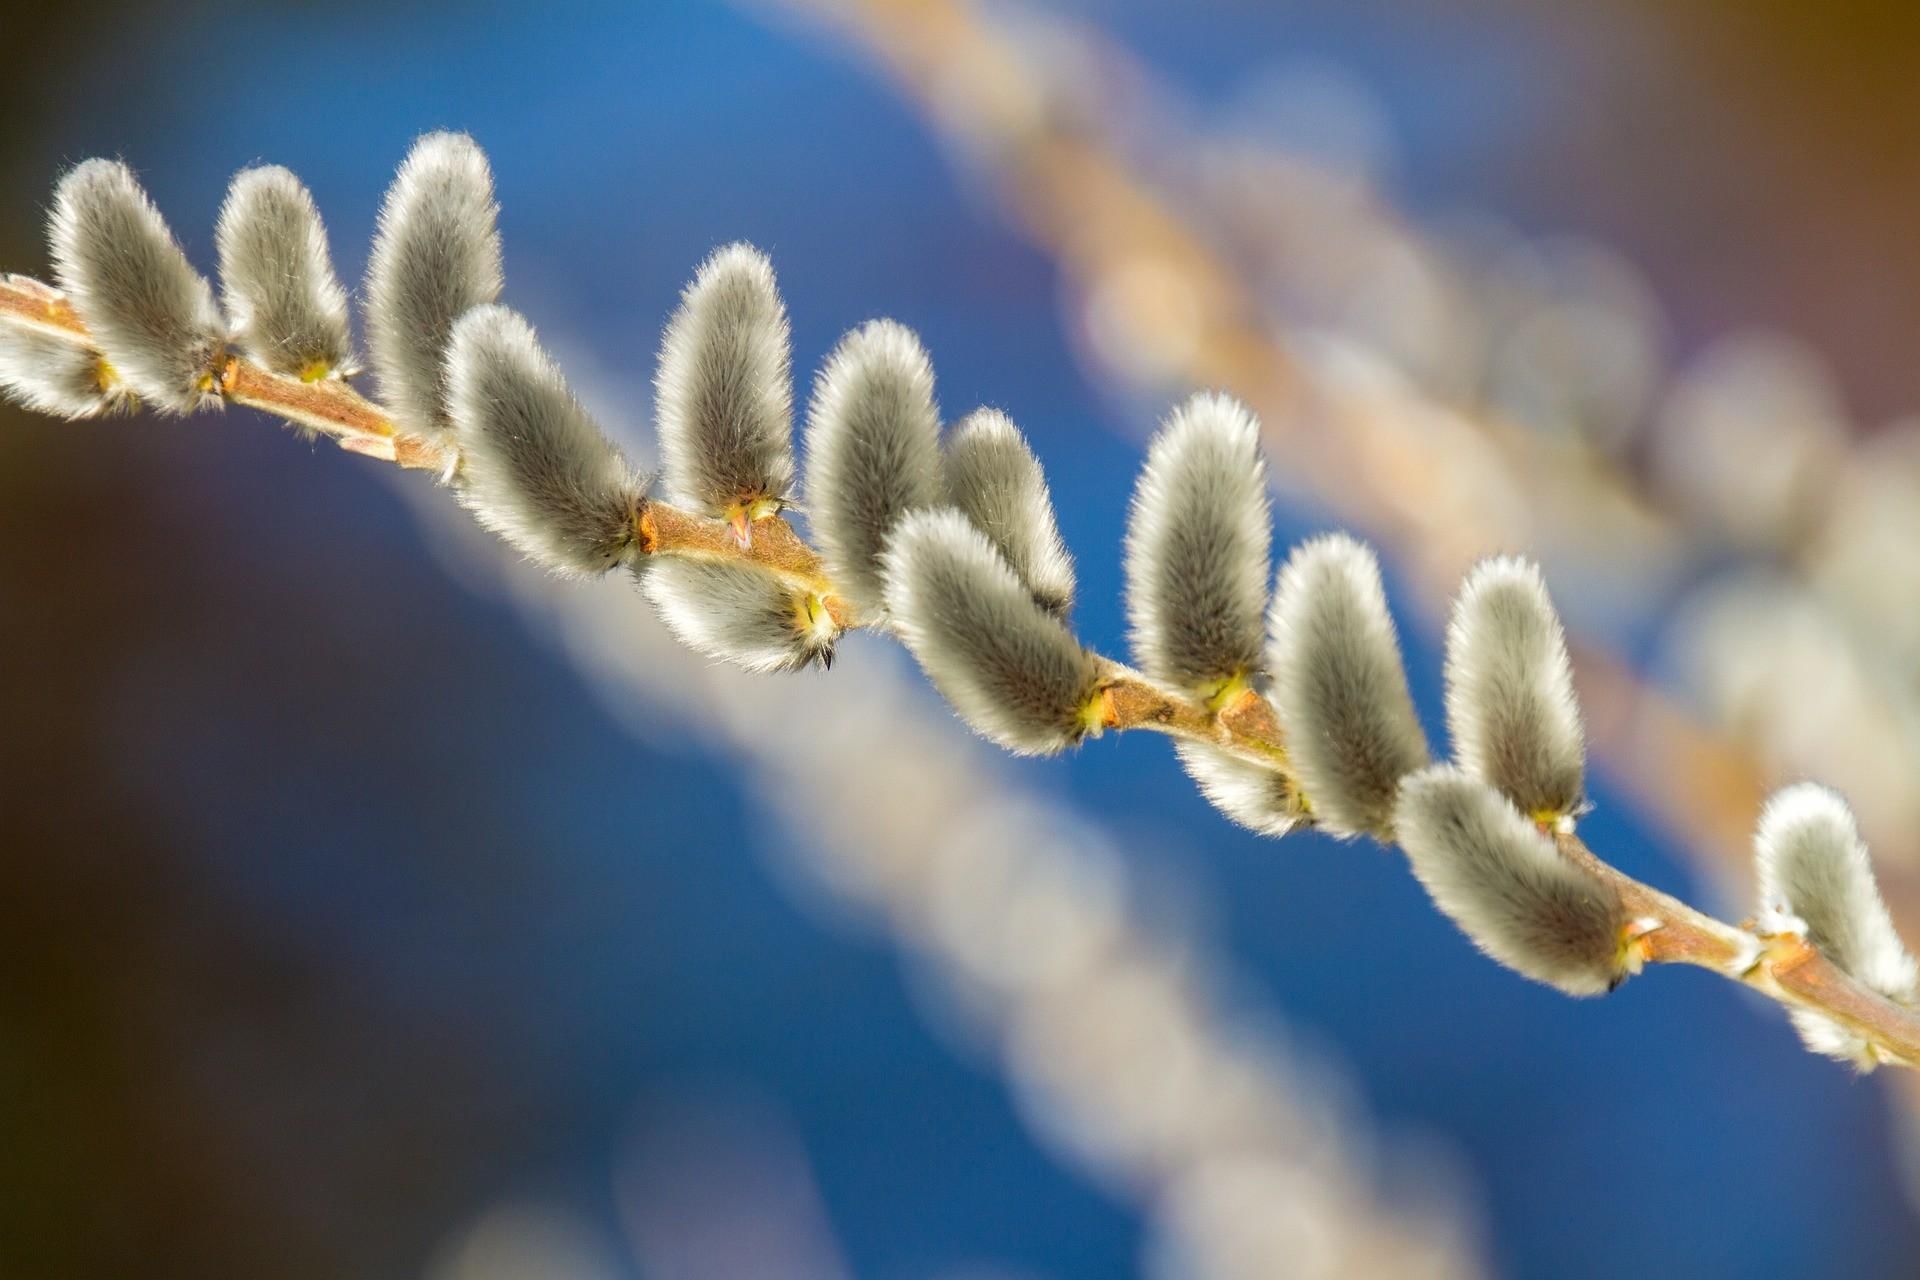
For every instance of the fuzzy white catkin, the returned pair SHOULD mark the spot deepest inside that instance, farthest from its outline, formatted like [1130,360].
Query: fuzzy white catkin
[50,375]
[1510,700]
[1197,548]
[285,304]
[436,254]
[738,613]
[1507,885]
[725,388]
[992,476]
[1198,540]
[1011,669]
[873,452]
[150,313]
[1257,798]
[1812,863]
[1339,687]
[535,467]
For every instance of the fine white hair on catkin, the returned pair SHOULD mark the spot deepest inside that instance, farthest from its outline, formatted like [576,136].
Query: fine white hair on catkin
[1812,864]
[1010,668]
[436,255]
[1339,687]
[725,384]
[994,479]
[150,313]
[535,467]
[1510,701]
[286,306]
[738,613]
[51,375]
[1257,798]
[873,452]
[1507,885]
[1197,548]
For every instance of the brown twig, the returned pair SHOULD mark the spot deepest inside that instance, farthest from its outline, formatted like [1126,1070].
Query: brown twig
[330,407]
[774,546]
[1665,930]
[1245,727]
[25,300]
[1782,967]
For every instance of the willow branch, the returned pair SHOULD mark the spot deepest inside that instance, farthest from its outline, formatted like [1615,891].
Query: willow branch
[25,301]
[334,409]
[773,546]
[1781,967]
[1246,727]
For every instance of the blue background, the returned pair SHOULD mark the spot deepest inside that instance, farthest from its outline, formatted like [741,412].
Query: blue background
[340,909]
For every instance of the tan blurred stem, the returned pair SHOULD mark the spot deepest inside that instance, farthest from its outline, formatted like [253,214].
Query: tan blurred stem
[361,426]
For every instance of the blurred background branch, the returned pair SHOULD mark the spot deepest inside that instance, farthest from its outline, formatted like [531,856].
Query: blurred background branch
[1111,1029]
[1472,390]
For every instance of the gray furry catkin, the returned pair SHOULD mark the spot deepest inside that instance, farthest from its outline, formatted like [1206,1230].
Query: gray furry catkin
[1340,689]
[739,614]
[1510,704]
[1507,885]
[873,453]
[725,391]
[51,375]
[1009,667]
[1197,549]
[149,312]
[1197,553]
[535,467]
[1256,797]
[285,304]
[436,255]
[994,479]
[1814,874]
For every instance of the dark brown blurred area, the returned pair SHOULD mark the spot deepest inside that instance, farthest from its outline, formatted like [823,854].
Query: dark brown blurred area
[133,1000]
[140,1007]
[1761,162]
[1763,167]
